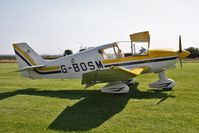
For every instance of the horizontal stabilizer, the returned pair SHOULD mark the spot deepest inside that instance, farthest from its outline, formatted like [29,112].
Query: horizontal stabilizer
[28,68]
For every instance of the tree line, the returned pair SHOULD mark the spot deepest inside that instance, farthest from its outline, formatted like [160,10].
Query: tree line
[194,52]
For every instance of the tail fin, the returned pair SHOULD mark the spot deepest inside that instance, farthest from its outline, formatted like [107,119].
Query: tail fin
[26,57]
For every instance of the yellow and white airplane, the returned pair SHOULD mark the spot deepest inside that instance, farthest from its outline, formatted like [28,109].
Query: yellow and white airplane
[115,63]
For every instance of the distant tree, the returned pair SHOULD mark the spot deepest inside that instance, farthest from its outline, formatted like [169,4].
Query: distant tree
[194,52]
[68,52]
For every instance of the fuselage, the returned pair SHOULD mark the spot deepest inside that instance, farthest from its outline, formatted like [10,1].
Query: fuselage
[73,66]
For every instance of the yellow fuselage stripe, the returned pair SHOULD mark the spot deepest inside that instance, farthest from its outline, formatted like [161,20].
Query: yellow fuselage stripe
[49,68]
[151,54]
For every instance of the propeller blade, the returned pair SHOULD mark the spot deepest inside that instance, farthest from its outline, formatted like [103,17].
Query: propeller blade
[180,44]
[180,50]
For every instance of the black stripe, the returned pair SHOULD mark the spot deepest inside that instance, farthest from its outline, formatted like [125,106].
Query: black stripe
[140,62]
[39,72]
[28,63]
[51,72]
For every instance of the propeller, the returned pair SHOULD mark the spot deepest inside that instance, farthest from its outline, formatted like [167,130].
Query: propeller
[180,51]
[180,44]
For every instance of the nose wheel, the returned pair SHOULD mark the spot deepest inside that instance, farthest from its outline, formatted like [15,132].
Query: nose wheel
[163,82]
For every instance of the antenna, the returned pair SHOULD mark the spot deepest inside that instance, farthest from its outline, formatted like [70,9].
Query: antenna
[81,45]
[60,50]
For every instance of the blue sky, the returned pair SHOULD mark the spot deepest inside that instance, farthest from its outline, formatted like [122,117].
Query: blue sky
[51,26]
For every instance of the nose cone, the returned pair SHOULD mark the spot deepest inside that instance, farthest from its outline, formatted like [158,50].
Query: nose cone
[183,54]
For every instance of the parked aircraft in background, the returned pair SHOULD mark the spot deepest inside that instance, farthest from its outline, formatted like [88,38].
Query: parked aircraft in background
[116,63]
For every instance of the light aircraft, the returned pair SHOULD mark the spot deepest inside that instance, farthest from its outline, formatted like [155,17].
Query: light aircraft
[116,63]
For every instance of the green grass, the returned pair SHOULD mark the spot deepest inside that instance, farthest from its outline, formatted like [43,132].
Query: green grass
[63,105]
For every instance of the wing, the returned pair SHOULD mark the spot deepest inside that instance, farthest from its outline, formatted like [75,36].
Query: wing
[112,74]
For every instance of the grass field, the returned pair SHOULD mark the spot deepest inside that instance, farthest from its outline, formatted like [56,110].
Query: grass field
[63,105]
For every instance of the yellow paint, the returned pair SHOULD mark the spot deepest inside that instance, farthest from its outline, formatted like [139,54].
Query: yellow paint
[49,68]
[157,53]
[24,54]
[183,54]
[139,70]
[135,71]
[140,37]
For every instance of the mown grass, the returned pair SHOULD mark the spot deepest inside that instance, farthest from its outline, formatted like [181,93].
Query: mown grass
[63,106]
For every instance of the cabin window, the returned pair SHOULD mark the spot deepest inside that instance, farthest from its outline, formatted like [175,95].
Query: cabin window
[123,50]
[139,48]
[109,53]
[132,48]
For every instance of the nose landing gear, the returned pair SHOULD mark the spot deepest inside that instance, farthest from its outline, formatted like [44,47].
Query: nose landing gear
[163,82]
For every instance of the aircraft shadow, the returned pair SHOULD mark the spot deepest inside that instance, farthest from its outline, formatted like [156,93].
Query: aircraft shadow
[93,110]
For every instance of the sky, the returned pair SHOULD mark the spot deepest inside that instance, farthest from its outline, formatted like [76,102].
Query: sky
[51,26]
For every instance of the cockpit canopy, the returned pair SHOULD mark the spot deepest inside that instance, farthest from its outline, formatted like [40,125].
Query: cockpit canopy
[138,46]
